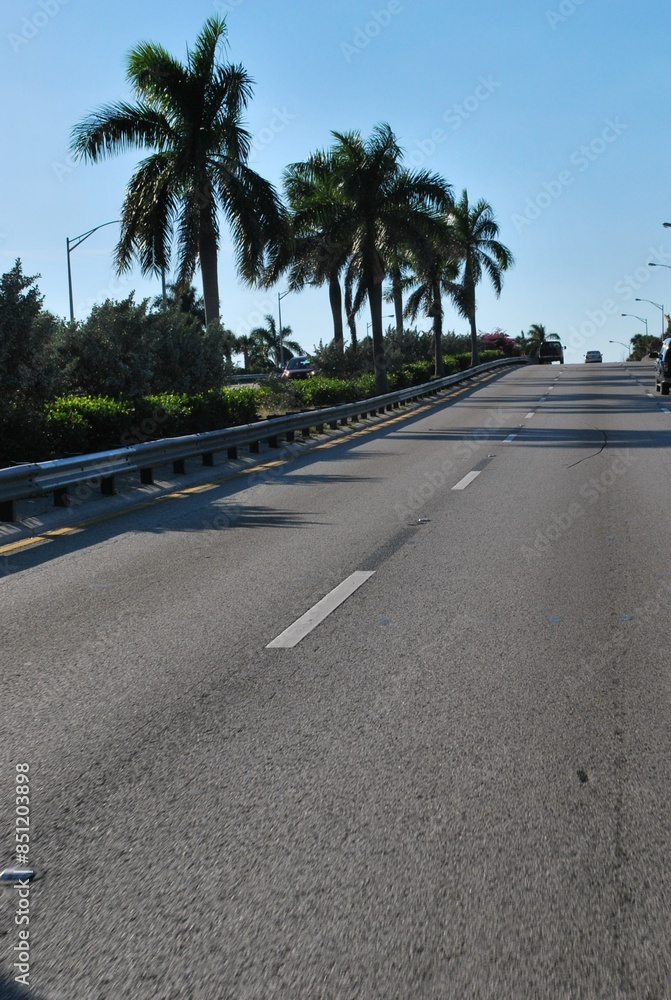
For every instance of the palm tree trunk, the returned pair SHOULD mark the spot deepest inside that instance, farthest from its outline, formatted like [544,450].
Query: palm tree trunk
[437,310]
[207,254]
[335,298]
[398,300]
[474,338]
[374,291]
[351,319]
[469,289]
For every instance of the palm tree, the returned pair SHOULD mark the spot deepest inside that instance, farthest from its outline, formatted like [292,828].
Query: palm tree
[191,117]
[474,232]
[375,205]
[278,347]
[183,299]
[436,272]
[315,258]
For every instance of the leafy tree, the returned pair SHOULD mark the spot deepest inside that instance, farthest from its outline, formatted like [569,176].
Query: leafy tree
[642,344]
[191,116]
[125,350]
[28,373]
[499,340]
[474,234]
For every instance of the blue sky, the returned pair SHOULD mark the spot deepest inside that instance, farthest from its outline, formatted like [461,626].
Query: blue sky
[555,111]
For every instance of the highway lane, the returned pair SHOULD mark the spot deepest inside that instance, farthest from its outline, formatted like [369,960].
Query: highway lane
[457,785]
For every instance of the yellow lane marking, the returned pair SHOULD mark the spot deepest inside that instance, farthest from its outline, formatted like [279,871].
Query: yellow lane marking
[51,534]
[22,543]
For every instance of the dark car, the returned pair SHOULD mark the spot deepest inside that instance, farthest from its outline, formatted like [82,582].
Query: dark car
[662,359]
[300,367]
[549,351]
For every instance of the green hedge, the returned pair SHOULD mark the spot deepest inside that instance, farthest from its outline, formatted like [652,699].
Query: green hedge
[76,425]
[82,424]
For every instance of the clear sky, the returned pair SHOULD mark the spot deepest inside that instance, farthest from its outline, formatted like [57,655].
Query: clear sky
[555,111]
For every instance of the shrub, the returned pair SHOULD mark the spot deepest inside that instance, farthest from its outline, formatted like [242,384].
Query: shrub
[322,391]
[491,355]
[87,423]
[23,434]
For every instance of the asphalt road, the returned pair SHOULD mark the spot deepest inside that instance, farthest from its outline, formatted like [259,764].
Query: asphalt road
[455,786]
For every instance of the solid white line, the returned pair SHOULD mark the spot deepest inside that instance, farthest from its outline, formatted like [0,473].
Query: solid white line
[529,415]
[511,437]
[467,480]
[321,610]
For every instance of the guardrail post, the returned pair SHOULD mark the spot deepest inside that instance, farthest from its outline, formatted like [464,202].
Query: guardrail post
[147,477]
[208,458]
[7,510]
[179,466]
[320,428]
[333,424]
[305,432]
[254,447]
[274,441]
[107,486]
[61,497]
[233,452]
[290,436]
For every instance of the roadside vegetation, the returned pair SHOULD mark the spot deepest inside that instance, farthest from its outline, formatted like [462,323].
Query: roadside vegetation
[352,217]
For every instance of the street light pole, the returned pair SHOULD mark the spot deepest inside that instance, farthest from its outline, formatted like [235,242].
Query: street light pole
[627,347]
[72,244]
[280,296]
[658,306]
[386,316]
[641,318]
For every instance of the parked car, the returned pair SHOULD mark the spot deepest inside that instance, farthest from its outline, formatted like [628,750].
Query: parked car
[592,356]
[549,351]
[662,359]
[300,367]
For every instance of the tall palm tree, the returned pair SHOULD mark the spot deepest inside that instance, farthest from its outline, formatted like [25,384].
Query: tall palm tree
[375,205]
[280,348]
[474,235]
[436,269]
[315,257]
[190,115]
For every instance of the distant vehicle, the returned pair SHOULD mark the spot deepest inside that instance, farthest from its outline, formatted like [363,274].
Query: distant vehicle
[662,361]
[549,351]
[593,356]
[300,367]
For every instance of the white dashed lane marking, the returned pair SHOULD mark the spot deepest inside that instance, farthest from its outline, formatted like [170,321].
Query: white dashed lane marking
[321,610]
[467,480]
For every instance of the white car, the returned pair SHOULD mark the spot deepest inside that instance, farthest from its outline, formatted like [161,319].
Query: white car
[593,356]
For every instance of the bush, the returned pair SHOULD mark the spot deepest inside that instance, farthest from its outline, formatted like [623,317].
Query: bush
[87,423]
[322,391]
[23,434]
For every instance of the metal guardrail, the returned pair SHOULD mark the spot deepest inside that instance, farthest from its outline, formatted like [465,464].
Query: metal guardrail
[35,479]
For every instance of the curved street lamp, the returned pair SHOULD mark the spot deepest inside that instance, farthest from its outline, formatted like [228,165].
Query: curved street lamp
[642,319]
[627,347]
[72,244]
[659,306]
